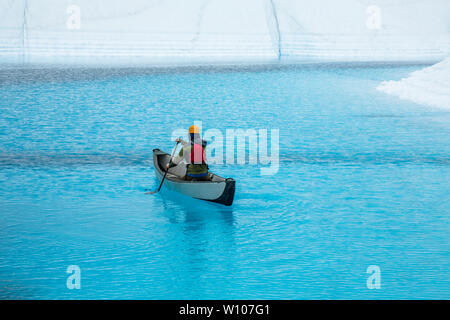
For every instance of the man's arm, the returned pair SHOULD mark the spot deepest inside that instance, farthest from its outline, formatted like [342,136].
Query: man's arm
[176,160]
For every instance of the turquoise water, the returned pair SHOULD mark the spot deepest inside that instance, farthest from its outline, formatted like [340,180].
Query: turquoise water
[364,180]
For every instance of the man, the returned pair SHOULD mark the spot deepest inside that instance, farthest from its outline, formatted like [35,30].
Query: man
[193,156]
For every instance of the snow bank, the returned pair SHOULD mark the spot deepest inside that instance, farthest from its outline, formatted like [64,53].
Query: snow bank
[327,30]
[430,86]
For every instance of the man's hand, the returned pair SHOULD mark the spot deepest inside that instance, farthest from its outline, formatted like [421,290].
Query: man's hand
[178,140]
[167,166]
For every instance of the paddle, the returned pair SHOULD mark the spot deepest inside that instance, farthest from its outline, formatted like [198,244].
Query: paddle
[165,174]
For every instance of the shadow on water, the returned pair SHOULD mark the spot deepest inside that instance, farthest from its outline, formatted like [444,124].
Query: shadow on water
[35,73]
[73,159]
[364,158]
[142,159]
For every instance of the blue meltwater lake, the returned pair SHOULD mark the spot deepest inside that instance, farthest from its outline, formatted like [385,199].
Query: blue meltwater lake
[364,179]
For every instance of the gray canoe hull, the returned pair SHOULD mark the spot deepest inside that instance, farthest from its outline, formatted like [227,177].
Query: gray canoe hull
[218,190]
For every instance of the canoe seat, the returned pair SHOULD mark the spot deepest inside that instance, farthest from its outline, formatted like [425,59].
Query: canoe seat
[173,176]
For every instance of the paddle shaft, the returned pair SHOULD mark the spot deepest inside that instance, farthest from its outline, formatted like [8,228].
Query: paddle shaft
[167,169]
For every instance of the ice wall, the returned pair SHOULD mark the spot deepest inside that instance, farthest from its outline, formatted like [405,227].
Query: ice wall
[140,28]
[35,30]
[365,29]
[430,86]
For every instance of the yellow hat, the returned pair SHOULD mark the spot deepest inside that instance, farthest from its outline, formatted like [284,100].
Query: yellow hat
[194,129]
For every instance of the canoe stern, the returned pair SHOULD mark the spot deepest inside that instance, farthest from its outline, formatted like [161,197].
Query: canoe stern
[228,193]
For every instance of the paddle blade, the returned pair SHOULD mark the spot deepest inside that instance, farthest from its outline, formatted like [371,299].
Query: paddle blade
[151,192]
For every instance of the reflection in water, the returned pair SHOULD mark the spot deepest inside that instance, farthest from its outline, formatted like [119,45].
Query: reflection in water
[207,232]
[192,212]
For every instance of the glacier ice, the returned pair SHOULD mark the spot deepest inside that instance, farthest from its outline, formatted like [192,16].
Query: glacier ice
[263,30]
[139,28]
[430,86]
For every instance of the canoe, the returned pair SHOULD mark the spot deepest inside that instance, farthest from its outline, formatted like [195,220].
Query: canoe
[220,190]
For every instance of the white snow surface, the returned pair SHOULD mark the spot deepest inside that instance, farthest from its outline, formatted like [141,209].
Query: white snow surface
[429,86]
[222,30]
